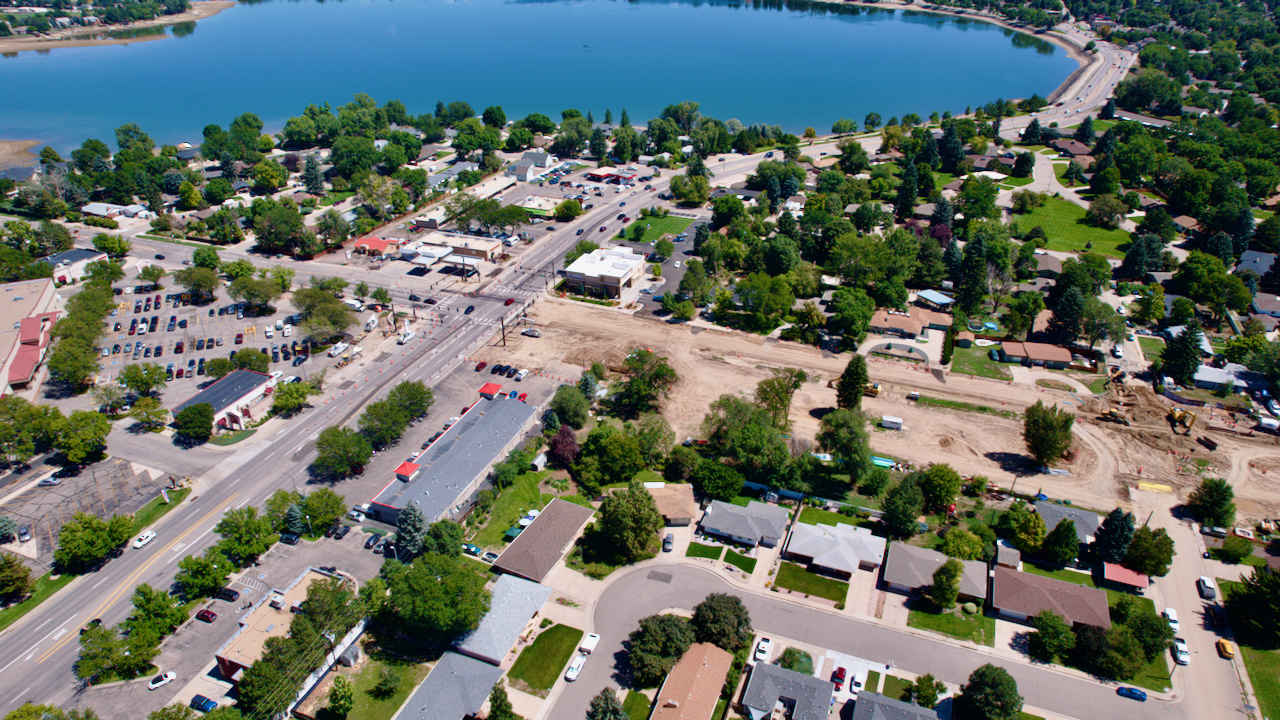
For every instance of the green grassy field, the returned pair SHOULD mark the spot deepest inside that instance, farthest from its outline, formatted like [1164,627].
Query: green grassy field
[704,551]
[157,508]
[371,705]
[742,562]
[1152,347]
[1263,666]
[974,361]
[966,407]
[540,663]
[637,705]
[523,495]
[818,516]
[976,628]
[895,687]
[1060,169]
[656,228]
[873,681]
[1017,182]
[796,578]
[42,589]
[1067,229]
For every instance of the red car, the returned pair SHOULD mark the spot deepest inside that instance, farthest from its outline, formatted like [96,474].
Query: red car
[523,397]
[509,301]
[481,365]
[206,615]
[239,338]
[838,678]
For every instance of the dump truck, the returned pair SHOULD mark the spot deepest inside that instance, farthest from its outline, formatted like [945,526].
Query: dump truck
[1184,418]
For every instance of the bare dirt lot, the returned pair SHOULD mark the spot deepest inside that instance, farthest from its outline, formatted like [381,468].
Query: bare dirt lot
[1109,458]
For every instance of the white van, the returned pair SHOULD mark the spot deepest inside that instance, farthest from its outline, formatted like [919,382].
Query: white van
[337,350]
[353,304]
[406,336]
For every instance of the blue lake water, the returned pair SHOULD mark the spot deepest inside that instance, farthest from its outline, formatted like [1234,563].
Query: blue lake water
[776,65]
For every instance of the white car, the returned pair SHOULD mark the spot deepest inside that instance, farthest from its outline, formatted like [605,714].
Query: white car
[1172,616]
[762,649]
[1181,655]
[275,375]
[161,680]
[677,263]
[1117,351]
[144,538]
[269,331]
[575,667]
[522,374]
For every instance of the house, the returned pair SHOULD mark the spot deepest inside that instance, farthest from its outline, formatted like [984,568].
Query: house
[1008,555]
[794,204]
[27,314]
[458,461]
[188,154]
[909,569]
[1054,357]
[837,550]
[538,158]
[514,604]
[1267,304]
[72,265]
[756,524]
[1068,147]
[537,550]
[1206,347]
[1231,375]
[675,503]
[1255,262]
[965,339]
[874,706]
[457,687]
[1021,596]
[1122,578]
[692,688]
[799,697]
[526,172]
[235,398]
[924,211]
[894,322]
[1086,521]
[606,271]
[101,209]
[1186,224]
[1048,266]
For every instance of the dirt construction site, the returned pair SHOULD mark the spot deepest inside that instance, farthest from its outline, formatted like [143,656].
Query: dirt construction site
[1108,460]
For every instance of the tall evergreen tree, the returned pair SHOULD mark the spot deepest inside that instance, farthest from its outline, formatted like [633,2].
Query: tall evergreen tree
[954,260]
[1182,355]
[606,705]
[905,204]
[1111,542]
[944,213]
[930,154]
[1084,131]
[411,530]
[852,381]
[312,177]
[951,149]
[1064,326]
[973,275]
[1061,545]
[1031,136]
[1108,111]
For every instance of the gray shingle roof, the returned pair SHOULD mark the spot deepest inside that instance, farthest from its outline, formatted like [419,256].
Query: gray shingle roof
[1256,262]
[913,567]
[757,521]
[874,706]
[224,393]
[1086,521]
[457,687]
[811,696]
[515,601]
[840,547]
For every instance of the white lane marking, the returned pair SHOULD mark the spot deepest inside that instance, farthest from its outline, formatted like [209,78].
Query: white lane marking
[15,697]
[178,548]
[95,587]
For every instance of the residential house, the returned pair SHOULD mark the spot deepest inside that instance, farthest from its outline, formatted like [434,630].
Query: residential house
[1231,375]
[874,706]
[675,503]
[775,692]
[894,322]
[1186,224]
[692,689]
[513,605]
[909,569]
[1255,262]
[456,688]
[756,524]
[1267,304]
[836,550]
[1068,147]
[1054,357]
[1086,521]
[1206,347]
[540,546]
[935,299]
[1048,266]
[1020,596]
[538,158]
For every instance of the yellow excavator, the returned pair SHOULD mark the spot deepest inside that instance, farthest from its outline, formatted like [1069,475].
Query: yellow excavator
[1184,418]
[871,389]
[1114,416]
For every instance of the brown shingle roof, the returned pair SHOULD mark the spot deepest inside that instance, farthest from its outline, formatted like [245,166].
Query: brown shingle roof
[693,686]
[675,502]
[1028,594]
[1037,351]
[537,550]
[901,323]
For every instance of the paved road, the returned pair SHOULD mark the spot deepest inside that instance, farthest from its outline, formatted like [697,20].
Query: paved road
[654,588]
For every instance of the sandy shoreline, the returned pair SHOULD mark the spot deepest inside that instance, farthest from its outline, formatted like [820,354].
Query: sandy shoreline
[18,153]
[76,37]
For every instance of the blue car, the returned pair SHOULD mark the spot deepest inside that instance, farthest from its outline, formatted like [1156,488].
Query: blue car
[1132,693]
[203,704]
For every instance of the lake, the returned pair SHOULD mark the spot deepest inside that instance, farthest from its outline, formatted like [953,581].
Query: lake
[791,66]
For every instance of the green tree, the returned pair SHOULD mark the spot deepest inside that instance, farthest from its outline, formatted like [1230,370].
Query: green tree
[195,422]
[1253,608]
[1047,432]
[902,506]
[774,394]
[101,650]
[946,584]
[255,360]
[1234,549]
[15,578]
[291,398]
[852,382]
[324,507]
[631,520]
[200,576]
[199,281]
[1064,326]
[1061,545]
[844,434]
[796,660]
[82,541]
[143,378]
[218,367]
[570,406]
[1182,355]
[444,537]
[962,544]
[606,706]
[412,397]
[500,705]
[651,377]
[723,621]
[716,480]
[438,598]
[411,531]
[656,646]
[245,534]
[81,435]
[1151,552]
[113,245]
[1151,631]
[940,484]
[342,451]
[990,694]
[342,696]
[567,210]
[1028,532]
[1052,639]
[1115,534]
[383,423]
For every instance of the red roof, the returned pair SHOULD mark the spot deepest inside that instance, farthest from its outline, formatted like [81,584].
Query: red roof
[407,468]
[24,364]
[1123,575]
[378,245]
[490,389]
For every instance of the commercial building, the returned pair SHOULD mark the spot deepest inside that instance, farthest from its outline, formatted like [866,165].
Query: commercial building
[475,247]
[456,688]
[773,689]
[545,541]
[756,524]
[455,464]
[236,398]
[1021,596]
[27,314]
[692,688]
[836,550]
[605,271]
[72,265]
[513,606]
[269,619]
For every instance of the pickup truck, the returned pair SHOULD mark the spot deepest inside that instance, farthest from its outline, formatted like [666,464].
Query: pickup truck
[338,349]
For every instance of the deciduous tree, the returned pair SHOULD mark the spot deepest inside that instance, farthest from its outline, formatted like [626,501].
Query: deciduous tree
[437,598]
[722,620]
[1061,545]
[195,422]
[990,694]
[946,584]
[631,520]
[342,451]
[1047,432]
[1052,639]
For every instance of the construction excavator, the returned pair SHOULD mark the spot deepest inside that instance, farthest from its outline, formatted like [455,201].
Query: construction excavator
[1184,418]
[1114,416]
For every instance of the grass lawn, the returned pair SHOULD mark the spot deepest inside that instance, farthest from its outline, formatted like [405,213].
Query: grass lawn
[1053,385]
[894,687]
[657,227]
[336,197]
[523,495]
[746,564]
[818,516]
[794,577]
[637,705]
[1016,182]
[966,407]
[232,438]
[974,361]
[1067,229]
[540,663]
[42,589]
[157,508]
[1071,576]
[741,500]
[873,681]
[703,551]
[976,628]
[1060,169]
[375,706]
[1152,347]
[1263,665]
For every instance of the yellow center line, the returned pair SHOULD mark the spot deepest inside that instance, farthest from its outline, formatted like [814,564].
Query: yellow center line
[127,584]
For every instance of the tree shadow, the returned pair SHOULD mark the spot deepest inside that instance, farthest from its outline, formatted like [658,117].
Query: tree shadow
[186,442]
[1021,643]
[1014,463]
[819,413]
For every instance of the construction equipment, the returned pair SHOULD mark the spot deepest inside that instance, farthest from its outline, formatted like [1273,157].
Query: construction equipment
[1184,418]
[871,389]
[1114,416]
[1117,375]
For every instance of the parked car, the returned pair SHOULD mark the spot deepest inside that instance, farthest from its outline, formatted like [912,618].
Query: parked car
[470,549]
[1181,654]
[162,679]
[372,541]
[668,542]
[1207,589]
[206,615]
[762,650]
[203,704]
[1171,615]
[490,557]
[24,533]
[227,594]
[289,539]
[575,667]
[511,371]
[49,482]
[838,677]
[481,365]
[1226,649]
[342,532]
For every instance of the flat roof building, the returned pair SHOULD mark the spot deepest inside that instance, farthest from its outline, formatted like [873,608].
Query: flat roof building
[458,460]
[269,619]
[235,397]
[72,265]
[541,545]
[27,315]
[607,271]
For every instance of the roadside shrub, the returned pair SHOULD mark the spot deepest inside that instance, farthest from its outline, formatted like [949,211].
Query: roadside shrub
[107,223]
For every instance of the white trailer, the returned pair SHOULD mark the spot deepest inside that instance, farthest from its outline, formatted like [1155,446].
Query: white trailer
[891,422]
